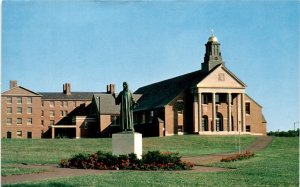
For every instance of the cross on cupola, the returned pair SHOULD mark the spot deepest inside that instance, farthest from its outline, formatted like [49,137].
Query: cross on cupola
[213,55]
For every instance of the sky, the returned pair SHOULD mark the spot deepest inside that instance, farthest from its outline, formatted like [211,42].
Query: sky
[91,44]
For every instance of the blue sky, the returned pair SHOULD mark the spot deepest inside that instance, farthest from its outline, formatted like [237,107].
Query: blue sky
[94,43]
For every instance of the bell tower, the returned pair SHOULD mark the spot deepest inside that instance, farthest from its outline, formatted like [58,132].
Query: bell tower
[213,55]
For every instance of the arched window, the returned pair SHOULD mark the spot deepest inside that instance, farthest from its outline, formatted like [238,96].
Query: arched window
[204,123]
[219,122]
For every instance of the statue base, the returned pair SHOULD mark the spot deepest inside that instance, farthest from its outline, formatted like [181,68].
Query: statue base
[127,142]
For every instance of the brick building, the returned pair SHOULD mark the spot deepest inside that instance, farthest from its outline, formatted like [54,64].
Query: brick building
[210,101]
[27,114]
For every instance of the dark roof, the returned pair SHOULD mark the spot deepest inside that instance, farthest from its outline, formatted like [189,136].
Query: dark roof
[73,96]
[6,92]
[107,103]
[161,93]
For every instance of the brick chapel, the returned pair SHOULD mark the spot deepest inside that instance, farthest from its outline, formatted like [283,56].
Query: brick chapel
[210,101]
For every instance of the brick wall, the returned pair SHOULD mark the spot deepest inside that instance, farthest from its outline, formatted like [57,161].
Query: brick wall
[255,119]
[26,127]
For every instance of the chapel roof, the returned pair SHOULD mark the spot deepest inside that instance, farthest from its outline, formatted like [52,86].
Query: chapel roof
[162,93]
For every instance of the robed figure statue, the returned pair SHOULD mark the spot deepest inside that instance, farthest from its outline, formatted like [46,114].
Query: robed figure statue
[127,103]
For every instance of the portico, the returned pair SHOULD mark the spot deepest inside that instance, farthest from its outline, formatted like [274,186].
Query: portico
[215,115]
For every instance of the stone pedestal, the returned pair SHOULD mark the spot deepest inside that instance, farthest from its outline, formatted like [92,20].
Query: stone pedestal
[126,143]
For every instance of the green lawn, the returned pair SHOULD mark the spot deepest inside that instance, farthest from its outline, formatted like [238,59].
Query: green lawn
[45,151]
[275,166]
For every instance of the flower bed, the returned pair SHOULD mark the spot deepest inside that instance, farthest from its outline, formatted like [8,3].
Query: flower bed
[153,160]
[236,157]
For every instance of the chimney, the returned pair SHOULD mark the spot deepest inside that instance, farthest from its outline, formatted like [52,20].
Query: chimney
[110,88]
[13,83]
[67,88]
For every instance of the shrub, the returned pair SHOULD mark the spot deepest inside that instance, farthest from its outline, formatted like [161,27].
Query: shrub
[236,157]
[153,160]
[290,133]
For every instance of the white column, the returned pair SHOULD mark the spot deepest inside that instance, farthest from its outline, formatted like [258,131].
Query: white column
[239,112]
[200,112]
[243,112]
[195,111]
[229,112]
[214,111]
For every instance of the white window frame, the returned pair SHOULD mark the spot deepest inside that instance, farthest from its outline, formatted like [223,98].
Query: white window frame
[7,121]
[29,100]
[18,121]
[19,110]
[29,121]
[8,111]
[8,100]
[18,100]
[29,110]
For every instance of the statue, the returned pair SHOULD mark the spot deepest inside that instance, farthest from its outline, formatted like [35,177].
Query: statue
[127,103]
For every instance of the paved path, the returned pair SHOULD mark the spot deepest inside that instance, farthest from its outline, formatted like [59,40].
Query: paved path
[52,171]
[261,143]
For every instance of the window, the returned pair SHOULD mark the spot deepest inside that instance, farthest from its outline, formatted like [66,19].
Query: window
[205,123]
[42,103]
[204,99]
[8,134]
[19,121]
[8,121]
[143,120]
[8,110]
[219,122]
[19,134]
[217,98]
[51,122]
[51,103]
[114,120]
[19,100]
[248,128]
[9,100]
[29,100]
[247,105]
[29,110]
[29,135]
[19,110]
[29,121]
[42,113]
[52,113]
[65,103]
[63,113]
[42,122]
[180,106]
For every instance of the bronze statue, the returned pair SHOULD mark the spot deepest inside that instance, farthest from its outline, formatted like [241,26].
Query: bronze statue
[127,103]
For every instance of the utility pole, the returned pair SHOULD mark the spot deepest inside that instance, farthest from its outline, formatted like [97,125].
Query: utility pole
[295,127]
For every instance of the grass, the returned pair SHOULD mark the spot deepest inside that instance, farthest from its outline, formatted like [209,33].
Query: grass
[275,166]
[45,151]
[10,170]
